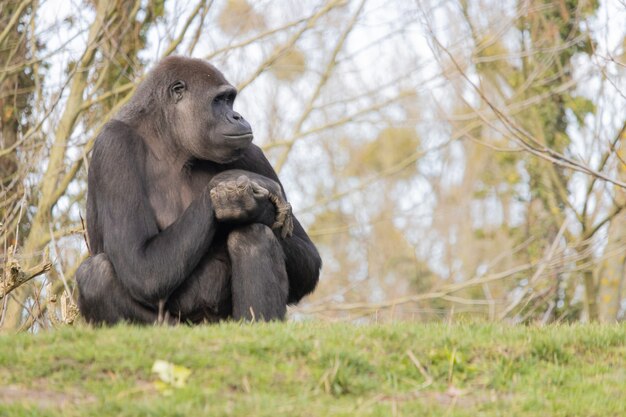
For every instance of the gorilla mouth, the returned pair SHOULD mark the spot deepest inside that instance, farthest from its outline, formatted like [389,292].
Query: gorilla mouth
[243,136]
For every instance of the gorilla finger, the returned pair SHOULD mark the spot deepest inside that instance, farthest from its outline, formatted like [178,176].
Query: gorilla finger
[220,199]
[287,217]
[233,213]
[284,208]
[238,199]
[274,199]
[259,191]
[225,186]
[218,191]
[230,186]
[278,221]
[249,204]
[288,227]
[243,182]
[219,213]
[277,225]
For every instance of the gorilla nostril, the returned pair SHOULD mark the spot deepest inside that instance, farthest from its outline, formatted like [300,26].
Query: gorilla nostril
[236,116]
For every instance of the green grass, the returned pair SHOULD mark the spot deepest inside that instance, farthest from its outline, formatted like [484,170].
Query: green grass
[318,369]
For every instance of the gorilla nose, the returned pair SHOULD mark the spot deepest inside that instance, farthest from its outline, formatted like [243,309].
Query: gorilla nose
[235,117]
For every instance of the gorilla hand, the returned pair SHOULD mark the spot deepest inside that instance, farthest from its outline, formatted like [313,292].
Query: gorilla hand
[238,200]
[284,216]
[244,200]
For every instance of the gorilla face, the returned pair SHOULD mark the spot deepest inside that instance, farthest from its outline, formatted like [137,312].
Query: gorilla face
[205,124]
[231,133]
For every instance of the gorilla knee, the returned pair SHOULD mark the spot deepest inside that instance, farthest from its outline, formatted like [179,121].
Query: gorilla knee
[101,298]
[260,285]
[92,278]
[253,239]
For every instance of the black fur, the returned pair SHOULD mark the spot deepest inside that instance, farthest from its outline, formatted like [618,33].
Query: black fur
[164,236]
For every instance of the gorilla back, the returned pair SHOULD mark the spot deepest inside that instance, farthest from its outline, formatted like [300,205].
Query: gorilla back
[187,220]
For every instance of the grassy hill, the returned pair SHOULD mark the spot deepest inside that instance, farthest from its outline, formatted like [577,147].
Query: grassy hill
[317,369]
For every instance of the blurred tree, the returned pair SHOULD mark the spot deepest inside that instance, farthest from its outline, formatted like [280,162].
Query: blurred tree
[17,90]
[16,93]
[531,87]
[239,17]
[612,275]
[449,157]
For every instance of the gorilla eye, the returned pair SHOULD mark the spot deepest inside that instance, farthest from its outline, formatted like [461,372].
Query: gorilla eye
[227,98]
[176,90]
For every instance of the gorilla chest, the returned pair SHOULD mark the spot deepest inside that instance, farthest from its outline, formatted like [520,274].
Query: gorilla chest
[171,190]
[169,194]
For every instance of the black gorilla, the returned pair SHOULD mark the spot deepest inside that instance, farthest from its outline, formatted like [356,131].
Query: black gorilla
[187,220]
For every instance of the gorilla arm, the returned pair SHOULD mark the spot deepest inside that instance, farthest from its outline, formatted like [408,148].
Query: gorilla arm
[150,263]
[302,260]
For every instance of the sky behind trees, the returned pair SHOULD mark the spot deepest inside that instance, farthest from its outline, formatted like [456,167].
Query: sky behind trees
[449,158]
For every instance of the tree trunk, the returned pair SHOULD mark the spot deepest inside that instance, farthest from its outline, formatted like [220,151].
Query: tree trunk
[39,229]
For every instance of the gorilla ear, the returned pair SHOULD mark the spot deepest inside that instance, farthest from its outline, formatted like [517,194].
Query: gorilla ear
[176,90]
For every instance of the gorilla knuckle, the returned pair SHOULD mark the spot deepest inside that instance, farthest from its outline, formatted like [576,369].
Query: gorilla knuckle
[230,186]
[249,205]
[234,213]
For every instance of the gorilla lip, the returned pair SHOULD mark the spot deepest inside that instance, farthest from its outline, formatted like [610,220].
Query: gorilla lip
[247,136]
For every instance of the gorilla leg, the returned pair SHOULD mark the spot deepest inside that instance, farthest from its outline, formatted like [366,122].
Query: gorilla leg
[259,280]
[206,294]
[102,299]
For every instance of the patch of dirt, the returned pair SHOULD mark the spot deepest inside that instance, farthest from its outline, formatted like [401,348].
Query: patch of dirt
[41,397]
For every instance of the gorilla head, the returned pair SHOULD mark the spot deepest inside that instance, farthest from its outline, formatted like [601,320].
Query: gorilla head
[188,103]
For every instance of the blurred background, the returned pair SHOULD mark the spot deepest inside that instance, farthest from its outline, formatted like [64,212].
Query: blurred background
[455,158]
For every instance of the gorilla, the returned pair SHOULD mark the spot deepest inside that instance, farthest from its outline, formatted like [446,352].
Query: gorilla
[187,221]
